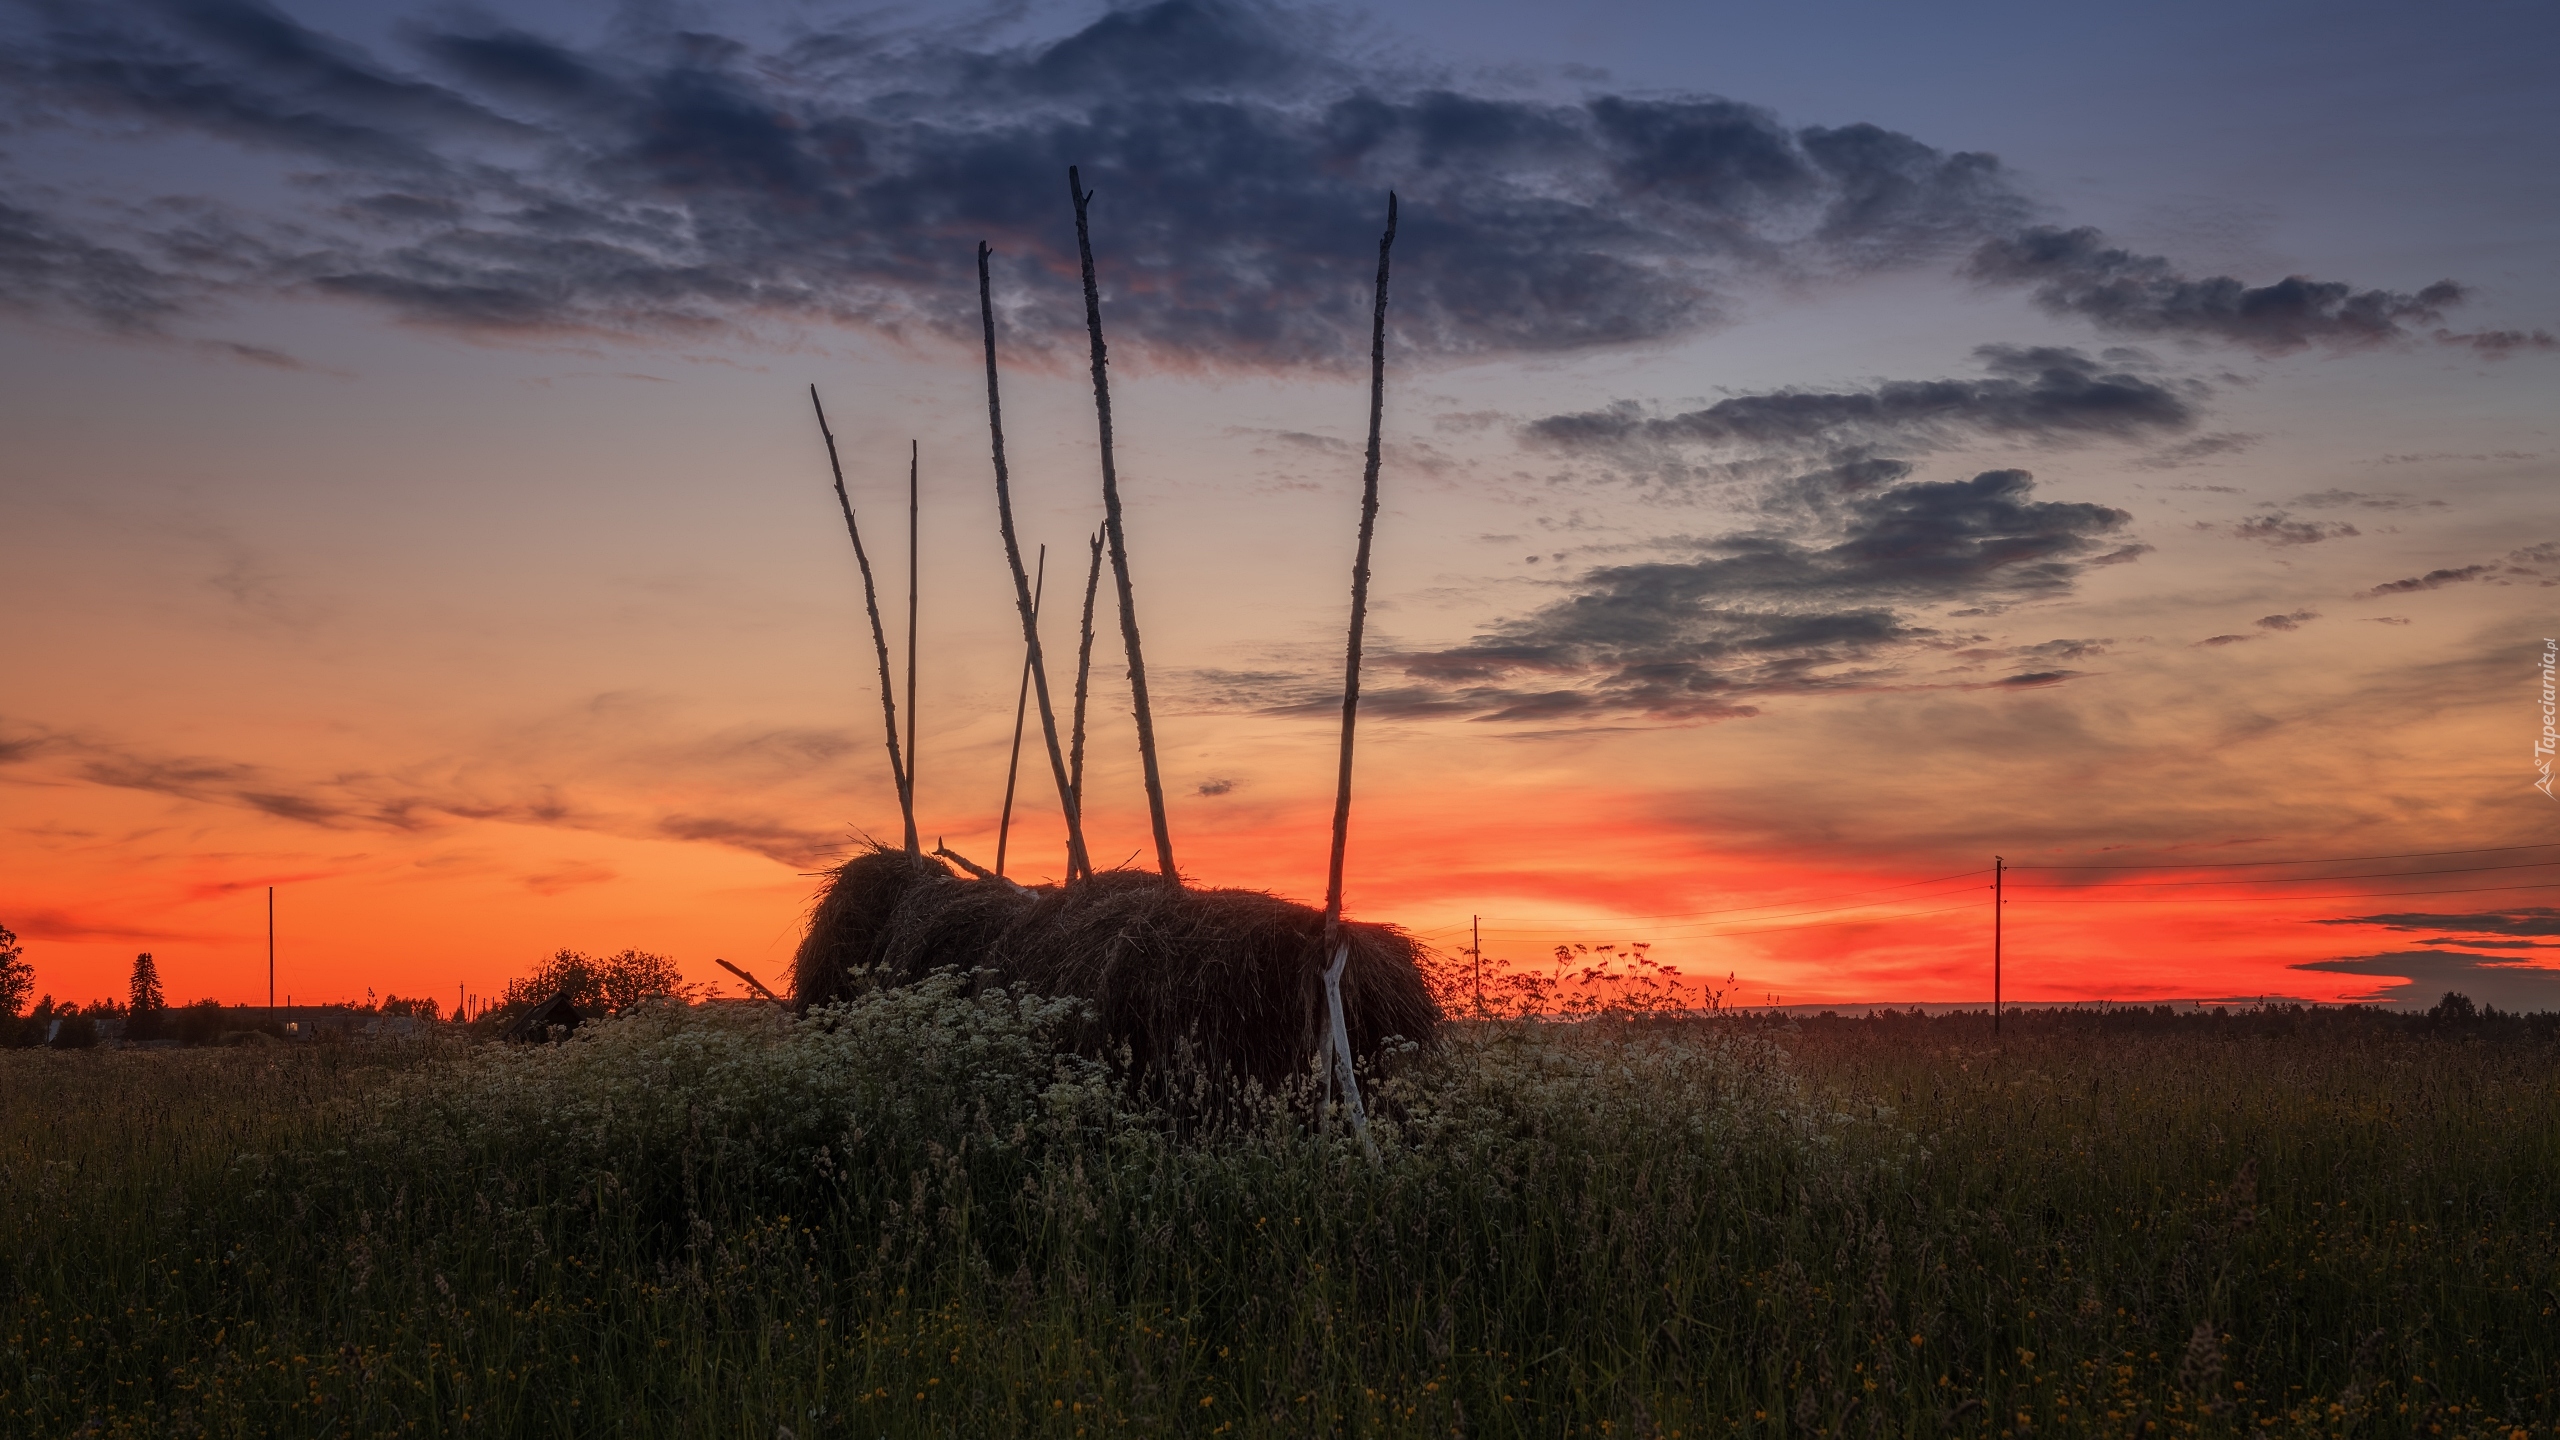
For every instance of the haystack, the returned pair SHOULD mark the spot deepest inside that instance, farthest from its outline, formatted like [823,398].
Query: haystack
[1226,982]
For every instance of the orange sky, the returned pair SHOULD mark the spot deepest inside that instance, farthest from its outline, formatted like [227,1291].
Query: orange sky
[477,638]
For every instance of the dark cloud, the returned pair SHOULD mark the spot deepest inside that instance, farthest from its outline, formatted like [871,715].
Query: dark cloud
[2047,395]
[2281,529]
[1832,600]
[669,180]
[2519,565]
[2499,344]
[2221,640]
[45,268]
[2076,273]
[2432,580]
[2294,621]
[2526,920]
[2333,499]
[674,179]
[2422,977]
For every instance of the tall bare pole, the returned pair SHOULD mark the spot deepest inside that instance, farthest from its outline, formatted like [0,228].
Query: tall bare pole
[1999,872]
[1360,584]
[271,954]
[879,634]
[1339,1037]
[911,626]
[1078,861]
[1021,704]
[1119,539]
[1084,672]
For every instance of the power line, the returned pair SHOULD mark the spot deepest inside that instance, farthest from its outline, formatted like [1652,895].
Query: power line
[2355,895]
[1757,929]
[2314,879]
[1710,931]
[2332,860]
[1736,909]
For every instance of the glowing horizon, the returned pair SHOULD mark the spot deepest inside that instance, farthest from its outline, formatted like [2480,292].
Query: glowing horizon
[415,506]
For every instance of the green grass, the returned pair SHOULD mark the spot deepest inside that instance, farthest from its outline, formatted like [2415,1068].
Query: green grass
[920,1220]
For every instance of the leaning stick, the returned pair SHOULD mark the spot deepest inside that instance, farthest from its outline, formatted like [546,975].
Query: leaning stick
[1341,1038]
[1077,861]
[1120,541]
[1360,585]
[752,982]
[911,625]
[1021,704]
[1084,673]
[879,636]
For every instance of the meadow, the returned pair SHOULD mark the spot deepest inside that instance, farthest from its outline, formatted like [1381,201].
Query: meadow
[916,1215]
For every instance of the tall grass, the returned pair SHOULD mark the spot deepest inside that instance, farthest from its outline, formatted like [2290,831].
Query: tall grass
[915,1215]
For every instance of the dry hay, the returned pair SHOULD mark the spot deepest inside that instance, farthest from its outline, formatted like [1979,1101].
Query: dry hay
[1227,981]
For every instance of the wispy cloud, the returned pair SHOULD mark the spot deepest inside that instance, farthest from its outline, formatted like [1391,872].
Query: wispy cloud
[2044,395]
[2281,529]
[724,770]
[2519,566]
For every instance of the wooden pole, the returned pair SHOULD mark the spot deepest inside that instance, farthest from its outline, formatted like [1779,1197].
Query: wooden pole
[1119,540]
[1999,872]
[1084,672]
[1078,861]
[911,629]
[1360,584]
[1333,940]
[879,635]
[1021,704]
[752,982]
[271,954]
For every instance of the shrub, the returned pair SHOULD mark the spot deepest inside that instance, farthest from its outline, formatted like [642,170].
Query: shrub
[606,985]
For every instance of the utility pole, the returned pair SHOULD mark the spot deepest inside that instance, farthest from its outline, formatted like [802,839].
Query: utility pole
[912,512]
[271,954]
[1999,872]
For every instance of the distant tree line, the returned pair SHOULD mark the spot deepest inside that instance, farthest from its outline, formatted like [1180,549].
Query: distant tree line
[597,985]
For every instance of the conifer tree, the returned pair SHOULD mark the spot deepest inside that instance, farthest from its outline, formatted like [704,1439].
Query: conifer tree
[145,998]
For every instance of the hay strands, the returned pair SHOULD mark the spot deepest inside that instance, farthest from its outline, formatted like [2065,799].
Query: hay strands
[1341,1045]
[898,773]
[1078,862]
[1192,980]
[1119,539]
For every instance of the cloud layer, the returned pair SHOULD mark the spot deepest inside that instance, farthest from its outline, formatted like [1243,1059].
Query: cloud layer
[1828,598]
[2046,394]
[668,181]
[2077,273]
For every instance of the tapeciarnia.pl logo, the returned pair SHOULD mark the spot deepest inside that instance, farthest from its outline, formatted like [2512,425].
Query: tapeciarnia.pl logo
[2542,745]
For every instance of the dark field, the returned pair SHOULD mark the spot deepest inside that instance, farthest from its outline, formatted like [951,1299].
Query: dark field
[921,1219]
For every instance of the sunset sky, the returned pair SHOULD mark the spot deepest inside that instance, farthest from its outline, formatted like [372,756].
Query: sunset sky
[1827,445]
